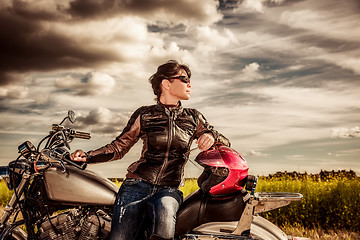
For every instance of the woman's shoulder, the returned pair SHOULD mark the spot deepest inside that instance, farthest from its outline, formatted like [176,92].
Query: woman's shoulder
[196,114]
[192,111]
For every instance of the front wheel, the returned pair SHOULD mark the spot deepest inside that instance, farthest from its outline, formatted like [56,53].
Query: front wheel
[11,233]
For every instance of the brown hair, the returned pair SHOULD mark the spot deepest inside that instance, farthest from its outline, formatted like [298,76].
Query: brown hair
[164,71]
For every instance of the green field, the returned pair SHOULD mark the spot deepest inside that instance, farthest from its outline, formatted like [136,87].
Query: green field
[331,203]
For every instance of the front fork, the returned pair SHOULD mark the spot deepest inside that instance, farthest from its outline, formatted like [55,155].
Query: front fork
[12,205]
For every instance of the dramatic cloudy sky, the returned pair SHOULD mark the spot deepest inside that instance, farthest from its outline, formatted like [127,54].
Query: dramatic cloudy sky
[279,78]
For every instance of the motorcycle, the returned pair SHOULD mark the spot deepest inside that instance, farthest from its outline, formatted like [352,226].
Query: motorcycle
[57,198]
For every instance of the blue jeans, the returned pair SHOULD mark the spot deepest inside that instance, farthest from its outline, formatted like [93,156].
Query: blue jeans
[143,207]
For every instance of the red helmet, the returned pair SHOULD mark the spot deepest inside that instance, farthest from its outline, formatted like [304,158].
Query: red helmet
[225,157]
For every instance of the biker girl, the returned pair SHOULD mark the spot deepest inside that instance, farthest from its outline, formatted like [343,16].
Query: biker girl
[149,197]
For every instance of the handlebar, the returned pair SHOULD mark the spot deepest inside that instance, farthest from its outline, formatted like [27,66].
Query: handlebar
[60,155]
[70,132]
[83,135]
[62,136]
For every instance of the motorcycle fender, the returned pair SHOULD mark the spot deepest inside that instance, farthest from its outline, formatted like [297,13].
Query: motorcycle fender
[264,229]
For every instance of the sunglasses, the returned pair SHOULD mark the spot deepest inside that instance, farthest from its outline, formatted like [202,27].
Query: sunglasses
[184,79]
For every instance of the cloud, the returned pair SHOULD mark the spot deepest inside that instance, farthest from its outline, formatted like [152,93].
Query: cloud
[253,153]
[296,157]
[210,36]
[279,115]
[103,121]
[257,5]
[297,32]
[38,9]
[275,74]
[162,52]
[296,99]
[251,73]
[33,46]
[322,19]
[345,61]
[13,92]
[10,77]
[345,132]
[93,83]
[206,45]
[301,18]
[209,39]
[171,11]
[49,35]
[197,12]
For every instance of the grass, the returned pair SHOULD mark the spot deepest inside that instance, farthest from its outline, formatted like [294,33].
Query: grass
[189,186]
[330,204]
[319,233]
[5,194]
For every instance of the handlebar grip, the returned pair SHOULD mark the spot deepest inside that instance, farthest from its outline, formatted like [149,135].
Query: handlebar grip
[83,135]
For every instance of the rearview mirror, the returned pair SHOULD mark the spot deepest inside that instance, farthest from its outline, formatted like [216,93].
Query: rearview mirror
[71,116]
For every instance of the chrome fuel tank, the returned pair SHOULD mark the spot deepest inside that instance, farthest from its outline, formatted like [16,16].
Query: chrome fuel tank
[77,186]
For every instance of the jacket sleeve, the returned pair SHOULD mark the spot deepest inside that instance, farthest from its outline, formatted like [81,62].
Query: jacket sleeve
[204,127]
[121,145]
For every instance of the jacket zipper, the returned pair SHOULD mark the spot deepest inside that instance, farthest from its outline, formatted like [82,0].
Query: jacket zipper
[166,159]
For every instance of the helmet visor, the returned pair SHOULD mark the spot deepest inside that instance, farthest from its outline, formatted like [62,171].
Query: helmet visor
[222,156]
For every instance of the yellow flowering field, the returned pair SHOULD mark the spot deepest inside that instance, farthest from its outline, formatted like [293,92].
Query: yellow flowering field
[329,203]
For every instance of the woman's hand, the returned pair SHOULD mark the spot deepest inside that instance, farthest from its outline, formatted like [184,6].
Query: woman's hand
[78,156]
[205,141]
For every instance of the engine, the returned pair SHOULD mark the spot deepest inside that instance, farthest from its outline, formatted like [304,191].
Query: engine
[73,224]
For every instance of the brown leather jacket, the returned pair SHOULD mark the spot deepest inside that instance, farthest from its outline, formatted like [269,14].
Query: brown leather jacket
[167,134]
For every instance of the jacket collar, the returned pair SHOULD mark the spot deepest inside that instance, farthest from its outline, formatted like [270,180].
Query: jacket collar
[176,110]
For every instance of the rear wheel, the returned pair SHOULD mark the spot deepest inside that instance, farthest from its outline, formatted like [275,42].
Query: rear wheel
[265,230]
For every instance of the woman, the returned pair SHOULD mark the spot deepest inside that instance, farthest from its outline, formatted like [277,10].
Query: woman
[150,193]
